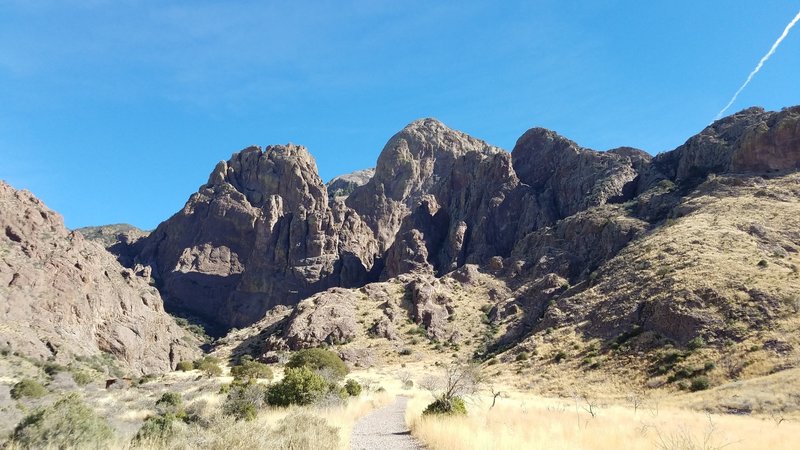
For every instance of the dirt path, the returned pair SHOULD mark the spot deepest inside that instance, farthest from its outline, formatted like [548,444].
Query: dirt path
[384,429]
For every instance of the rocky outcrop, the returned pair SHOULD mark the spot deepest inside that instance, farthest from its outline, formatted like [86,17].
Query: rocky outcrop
[342,186]
[64,296]
[258,234]
[567,178]
[752,140]
[326,318]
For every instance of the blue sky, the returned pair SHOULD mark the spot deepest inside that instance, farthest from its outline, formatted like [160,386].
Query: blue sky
[116,110]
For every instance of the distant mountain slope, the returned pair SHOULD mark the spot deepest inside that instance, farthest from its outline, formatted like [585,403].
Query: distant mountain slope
[108,235]
[64,296]
[342,186]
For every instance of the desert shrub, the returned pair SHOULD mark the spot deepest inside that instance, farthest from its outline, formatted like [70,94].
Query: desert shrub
[353,388]
[405,352]
[299,386]
[700,383]
[452,406]
[763,263]
[52,368]
[185,366]
[695,343]
[521,356]
[82,377]
[302,430]
[560,356]
[320,360]
[209,365]
[28,387]
[144,379]
[68,423]
[252,370]
[244,401]
[170,403]
[158,428]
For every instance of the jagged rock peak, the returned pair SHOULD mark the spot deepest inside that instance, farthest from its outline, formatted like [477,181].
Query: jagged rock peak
[573,178]
[415,158]
[282,170]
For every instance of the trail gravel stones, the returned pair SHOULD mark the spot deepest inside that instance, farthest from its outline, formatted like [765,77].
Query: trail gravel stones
[384,429]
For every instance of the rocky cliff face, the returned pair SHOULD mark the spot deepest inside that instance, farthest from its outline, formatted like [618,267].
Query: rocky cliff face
[265,230]
[750,141]
[64,296]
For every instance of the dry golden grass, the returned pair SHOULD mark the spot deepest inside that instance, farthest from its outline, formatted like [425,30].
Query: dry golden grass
[527,422]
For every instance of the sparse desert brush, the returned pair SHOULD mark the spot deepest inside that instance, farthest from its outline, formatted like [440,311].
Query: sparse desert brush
[305,431]
[185,366]
[82,377]
[244,401]
[68,423]
[29,388]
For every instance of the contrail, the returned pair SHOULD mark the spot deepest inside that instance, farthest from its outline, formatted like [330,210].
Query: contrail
[761,63]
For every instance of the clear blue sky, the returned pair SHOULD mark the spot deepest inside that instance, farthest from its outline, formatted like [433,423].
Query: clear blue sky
[116,111]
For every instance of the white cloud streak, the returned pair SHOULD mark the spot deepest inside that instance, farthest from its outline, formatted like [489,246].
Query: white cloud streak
[761,63]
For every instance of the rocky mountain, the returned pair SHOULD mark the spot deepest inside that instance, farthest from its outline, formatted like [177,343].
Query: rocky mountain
[64,296]
[266,231]
[658,270]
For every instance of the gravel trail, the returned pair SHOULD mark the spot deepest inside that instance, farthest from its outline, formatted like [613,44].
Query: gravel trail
[384,428]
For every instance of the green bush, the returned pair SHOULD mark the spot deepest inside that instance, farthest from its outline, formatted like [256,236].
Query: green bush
[321,360]
[405,352]
[695,343]
[560,356]
[251,369]
[68,423]
[82,377]
[209,365]
[299,386]
[185,366]
[244,400]
[170,403]
[353,388]
[28,387]
[155,429]
[52,368]
[700,383]
[452,406]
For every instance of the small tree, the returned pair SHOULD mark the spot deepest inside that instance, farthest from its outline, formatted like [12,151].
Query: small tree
[321,360]
[249,369]
[299,386]
[209,365]
[459,380]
